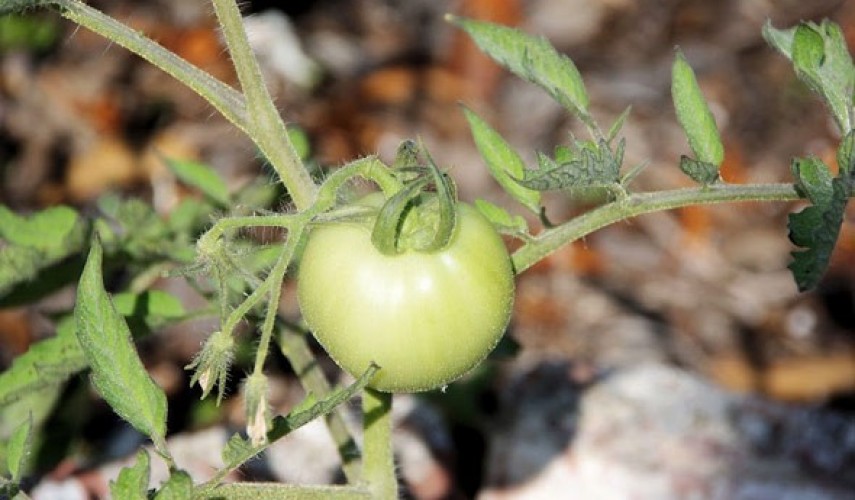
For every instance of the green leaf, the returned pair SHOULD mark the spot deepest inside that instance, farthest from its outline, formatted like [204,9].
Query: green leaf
[117,371]
[614,130]
[132,483]
[503,221]
[37,242]
[300,141]
[591,165]
[694,114]
[504,163]
[701,172]
[152,303]
[203,178]
[821,60]
[42,230]
[179,486]
[531,58]
[47,363]
[18,448]
[846,158]
[813,179]
[10,6]
[816,227]
[780,40]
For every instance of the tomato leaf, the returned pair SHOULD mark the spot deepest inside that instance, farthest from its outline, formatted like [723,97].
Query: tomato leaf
[202,177]
[48,363]
[816,227]
[37,242]
[587,165]
[42,230]
[117,371]
[846,158]
[822,61]
[504,163]
[531,58]
[694,115]
[503,221]
[18,448]
[179,486]
[614,130]
[132,482]
[700,171]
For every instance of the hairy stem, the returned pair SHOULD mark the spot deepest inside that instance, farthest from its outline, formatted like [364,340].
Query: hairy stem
[265,125]
[378,461]
[294,346]
[642,203]
[276,276]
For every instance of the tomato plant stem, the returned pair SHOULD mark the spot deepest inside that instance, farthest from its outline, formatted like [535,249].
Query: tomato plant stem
[265,125]
[378,461]
[552,239]
[276,276]
[294,346]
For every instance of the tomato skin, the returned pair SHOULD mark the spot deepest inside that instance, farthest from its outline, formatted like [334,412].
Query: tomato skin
[425,318]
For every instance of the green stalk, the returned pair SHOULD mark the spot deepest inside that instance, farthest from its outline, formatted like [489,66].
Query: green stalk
[294,346]
[279,491]
[276,276]
[378,471]
[641,203]
[265,125]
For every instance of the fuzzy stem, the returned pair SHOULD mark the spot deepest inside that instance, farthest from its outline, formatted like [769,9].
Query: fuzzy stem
[294,346]
[276,276]
[265,125]
[641,203]
[378,459]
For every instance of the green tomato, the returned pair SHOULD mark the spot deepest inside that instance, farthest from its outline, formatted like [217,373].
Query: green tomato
[425,318]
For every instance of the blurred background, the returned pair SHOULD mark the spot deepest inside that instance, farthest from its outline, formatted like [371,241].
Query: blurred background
[668,356]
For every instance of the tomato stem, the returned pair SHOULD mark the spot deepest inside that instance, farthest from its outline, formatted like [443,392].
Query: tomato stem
[554,238]
[378,460]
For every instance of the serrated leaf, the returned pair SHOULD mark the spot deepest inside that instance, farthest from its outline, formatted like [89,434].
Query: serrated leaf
[202,177]
[42,230]
[18,448]
[117,371]
[47,363]
[501,219]
[179,486]
[591,167]
[531,58]
[821,60]
[504,163]
[699,171]
[693,113]
[132,483]
[815,228]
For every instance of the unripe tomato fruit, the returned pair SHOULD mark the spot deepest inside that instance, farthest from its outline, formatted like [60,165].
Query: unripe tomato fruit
[425,318]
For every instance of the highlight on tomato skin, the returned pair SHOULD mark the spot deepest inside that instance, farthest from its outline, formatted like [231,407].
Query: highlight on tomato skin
[426,318]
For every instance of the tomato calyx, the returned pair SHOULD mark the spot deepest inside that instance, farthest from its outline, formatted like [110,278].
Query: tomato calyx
[414,219]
